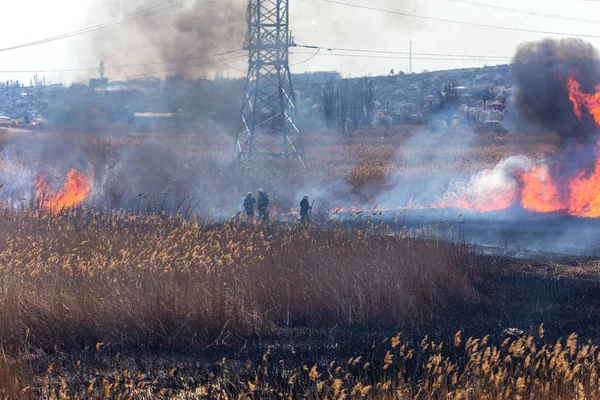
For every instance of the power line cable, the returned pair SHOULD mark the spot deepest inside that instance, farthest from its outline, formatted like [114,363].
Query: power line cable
[318,48]
[229,66]
[174,69]
[428,56]
[525,12]
[38,71]
[308,59]
[138,75]
[452,21]
[399,52]
[403,58]
[33,71]
[186,58]
[312,55]
[127,18]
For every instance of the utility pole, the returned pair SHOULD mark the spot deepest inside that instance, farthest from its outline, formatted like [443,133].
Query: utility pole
[429,99]
[101,69]
[410,69]
[430,109]
[267,128]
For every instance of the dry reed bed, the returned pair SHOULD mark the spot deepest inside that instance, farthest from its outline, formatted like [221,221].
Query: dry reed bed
[15,383]
[472,368]
[157,281]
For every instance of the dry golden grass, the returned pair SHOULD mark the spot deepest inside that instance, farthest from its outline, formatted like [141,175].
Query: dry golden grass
[157,281]
[15,382]
[369,157]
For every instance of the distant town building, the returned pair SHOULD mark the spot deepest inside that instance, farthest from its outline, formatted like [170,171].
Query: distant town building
[496,106]
[101,83]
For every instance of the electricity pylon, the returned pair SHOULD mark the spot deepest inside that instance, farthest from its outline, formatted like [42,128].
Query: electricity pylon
[266,127]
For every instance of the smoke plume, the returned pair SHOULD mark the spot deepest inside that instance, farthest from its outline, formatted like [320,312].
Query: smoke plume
[181,36]
[541,99]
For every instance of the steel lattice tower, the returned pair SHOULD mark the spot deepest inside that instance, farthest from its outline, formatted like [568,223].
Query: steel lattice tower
[267,126]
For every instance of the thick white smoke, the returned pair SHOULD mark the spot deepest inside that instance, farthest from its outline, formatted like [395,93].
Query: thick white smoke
[489,188]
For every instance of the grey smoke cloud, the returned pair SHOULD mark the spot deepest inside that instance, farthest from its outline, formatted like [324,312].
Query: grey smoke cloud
[179,37]
[195,29]
[540,96]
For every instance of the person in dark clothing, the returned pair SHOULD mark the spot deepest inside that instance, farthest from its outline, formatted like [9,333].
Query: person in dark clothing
[305,208]
[263,205]
[249,204]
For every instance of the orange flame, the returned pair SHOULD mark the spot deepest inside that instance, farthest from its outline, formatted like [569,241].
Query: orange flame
[497,202]
[584,199]
[540,193]
[577,195]
[580,100]
[585,193]
[75,190]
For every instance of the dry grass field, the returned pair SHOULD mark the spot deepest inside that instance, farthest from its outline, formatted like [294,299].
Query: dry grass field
[154,281]
[147,304]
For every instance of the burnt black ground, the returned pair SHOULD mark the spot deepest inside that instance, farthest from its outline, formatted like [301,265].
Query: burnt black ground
[513,228]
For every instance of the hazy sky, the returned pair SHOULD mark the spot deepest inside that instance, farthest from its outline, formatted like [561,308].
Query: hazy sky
[314,22]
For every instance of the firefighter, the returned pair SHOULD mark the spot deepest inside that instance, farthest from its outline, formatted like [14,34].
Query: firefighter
[305,208]
[249,204]
[263,205]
